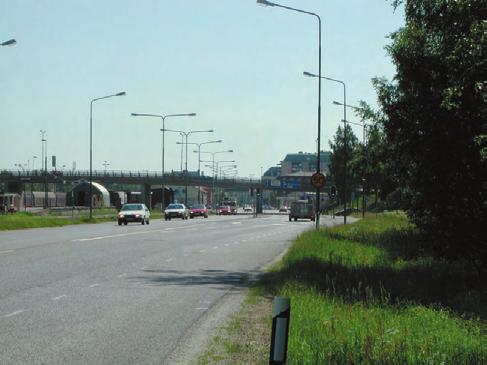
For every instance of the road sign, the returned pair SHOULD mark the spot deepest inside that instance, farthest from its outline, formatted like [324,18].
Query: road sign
[318,180]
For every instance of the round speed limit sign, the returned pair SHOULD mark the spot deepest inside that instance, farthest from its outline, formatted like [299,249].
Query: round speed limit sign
[318,180]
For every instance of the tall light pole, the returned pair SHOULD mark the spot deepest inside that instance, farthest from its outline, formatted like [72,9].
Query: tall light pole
[33,162]
[364,126]
[10,42]
[91,145]
[199,155]
[344,138]
[163,117]
[318,155]
[105,164]
[213,164]
[44,167]
[186,135]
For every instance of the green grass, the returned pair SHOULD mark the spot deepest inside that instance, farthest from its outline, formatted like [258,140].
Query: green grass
[27,220]
[366,294]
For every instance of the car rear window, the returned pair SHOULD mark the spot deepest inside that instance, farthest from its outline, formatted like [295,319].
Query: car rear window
[132,207]
[174,206]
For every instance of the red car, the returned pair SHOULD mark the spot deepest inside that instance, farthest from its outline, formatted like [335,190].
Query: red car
[198,210]
[224,210]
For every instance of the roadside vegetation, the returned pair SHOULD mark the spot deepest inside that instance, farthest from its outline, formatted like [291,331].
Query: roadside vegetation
[24,220]
[367,293]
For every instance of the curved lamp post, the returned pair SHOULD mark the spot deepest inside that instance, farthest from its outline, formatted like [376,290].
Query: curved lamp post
[91,145]
[186,135]
[10,42]
[318,157]
[305,73]
[199,158]
[163,117]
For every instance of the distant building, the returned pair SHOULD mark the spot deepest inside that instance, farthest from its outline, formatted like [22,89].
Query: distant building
[304,162]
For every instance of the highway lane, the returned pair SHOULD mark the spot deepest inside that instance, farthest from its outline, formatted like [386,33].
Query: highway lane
[104,294]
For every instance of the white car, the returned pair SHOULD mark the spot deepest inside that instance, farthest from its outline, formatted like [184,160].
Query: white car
[176,211]
[133,213]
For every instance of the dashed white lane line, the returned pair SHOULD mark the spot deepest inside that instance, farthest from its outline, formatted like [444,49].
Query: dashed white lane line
[226,245]
[6,251]
[244,240]
[116,235]
[121,275]
[59,297]
[202,251]
[13,314]
[94,285]
[215,247]
[201,308]
[169,260]
[236,222]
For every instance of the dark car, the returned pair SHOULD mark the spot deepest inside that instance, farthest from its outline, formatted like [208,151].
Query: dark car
[198,210]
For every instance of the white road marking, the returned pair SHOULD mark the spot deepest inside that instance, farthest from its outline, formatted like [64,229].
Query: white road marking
[94,285]
[115,235]
[236,222]
[226,245]
[6,251]
[278,224]
[215,247]
[13,314]
[201,308]
[169,260]
[202,251]
[122,275]
[59,297]
[244,240]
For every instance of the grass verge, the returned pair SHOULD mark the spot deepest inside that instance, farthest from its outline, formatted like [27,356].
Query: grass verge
[366,294]
[27,220]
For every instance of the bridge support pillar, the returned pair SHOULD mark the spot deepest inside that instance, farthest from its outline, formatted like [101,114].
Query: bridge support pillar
[146,195]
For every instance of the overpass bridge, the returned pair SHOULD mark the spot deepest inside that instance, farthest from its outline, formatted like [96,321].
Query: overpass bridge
[16,177]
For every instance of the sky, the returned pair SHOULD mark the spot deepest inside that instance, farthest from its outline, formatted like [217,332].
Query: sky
[235,63]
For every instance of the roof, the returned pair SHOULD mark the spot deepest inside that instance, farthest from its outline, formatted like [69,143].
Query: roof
[273,171]
[306,157]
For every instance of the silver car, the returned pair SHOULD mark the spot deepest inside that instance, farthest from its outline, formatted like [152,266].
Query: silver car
[176,211]
[133,213]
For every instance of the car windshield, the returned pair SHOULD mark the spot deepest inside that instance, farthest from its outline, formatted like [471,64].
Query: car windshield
[175,206]
[132,207]
[198,206]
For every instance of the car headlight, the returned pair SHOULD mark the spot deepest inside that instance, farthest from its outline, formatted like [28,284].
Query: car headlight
[121,216]
[137,215]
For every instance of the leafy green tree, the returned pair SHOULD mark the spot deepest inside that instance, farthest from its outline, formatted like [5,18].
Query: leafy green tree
[436,121]
[343,148]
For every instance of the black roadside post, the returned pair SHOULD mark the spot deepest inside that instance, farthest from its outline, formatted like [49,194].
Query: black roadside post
[281,310]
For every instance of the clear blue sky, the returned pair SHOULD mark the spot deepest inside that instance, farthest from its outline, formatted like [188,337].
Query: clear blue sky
[236,64]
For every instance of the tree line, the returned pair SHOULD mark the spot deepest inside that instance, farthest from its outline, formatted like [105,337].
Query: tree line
[426,145]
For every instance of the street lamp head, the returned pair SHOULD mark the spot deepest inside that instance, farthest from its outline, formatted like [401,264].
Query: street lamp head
[309,74]
[120,93]
[337,103]
[192,115]
[230,151]
[265,3]
[135,114]
[10,42]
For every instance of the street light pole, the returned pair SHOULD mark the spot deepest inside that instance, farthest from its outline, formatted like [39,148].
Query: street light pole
[344,138]
[91,145]
[199,158]
[163,117]
[318,155]
[364,126]
[213,170]
[186,134]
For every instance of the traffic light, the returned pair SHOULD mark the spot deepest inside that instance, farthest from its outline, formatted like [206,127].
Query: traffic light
[333,191]
[251,191]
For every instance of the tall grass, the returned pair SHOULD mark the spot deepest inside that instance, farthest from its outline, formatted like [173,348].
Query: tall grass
[367,294]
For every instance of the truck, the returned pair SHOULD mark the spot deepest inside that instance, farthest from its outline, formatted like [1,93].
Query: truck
[301,209]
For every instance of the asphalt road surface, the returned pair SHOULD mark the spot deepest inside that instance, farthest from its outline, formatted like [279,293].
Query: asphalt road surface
[104,294]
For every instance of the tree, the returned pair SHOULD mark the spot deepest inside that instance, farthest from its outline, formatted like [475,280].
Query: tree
[436,121]
[341,172]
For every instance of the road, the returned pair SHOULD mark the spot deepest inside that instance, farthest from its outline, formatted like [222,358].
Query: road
[104,294]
